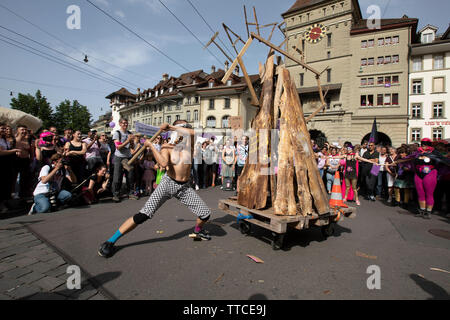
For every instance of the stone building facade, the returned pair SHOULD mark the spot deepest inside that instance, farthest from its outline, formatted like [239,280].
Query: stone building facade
[197,97]
[429,78]
[365,70]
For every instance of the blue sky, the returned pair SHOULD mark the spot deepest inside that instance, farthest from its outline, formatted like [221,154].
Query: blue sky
[102,38]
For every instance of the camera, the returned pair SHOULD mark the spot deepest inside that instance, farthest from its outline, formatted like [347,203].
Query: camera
[53,200]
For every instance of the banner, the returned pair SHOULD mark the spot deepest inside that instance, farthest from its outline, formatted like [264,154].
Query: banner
[146,129]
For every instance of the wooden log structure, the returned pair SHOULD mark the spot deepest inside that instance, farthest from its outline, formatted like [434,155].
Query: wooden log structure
[254,179]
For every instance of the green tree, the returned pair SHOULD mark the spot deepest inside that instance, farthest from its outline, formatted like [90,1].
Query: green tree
[72,115]
[37,106]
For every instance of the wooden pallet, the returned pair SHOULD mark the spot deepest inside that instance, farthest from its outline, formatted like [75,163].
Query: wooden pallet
[279,224]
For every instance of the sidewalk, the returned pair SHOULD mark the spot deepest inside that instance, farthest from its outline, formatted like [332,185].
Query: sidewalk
[30,269]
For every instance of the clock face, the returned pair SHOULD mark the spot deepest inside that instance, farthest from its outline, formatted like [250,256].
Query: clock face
[315,33]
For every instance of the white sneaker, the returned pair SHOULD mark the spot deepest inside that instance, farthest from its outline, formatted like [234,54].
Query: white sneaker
[32,209]
[196,187]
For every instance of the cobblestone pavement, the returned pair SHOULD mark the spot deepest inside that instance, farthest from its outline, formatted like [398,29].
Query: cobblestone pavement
[30,269]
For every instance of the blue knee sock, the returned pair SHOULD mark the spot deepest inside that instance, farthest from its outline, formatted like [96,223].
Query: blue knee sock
[115,237]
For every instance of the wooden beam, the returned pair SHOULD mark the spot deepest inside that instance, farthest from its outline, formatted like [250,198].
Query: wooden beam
[256,20]
[255,100]
[236,61]
[219,47]
[278,49]
[246,23]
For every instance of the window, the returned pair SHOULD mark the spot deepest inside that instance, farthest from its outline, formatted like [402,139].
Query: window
[370,61]
[438,62]
[302,79]
[188,116]
[195,115]
[177,117]
[328,75]
[363,44]
[387,99]
[395,79]
[363,62]
[416,111]
[211,122]
[229,82]
[179,105]
[188,100]
[160,120]
[438,84]
[162,91]
[395,59]
[417,64]
[211,84]
[379,99]
[370,43]
[370,81]
[395,40]
[387,59]
[387,41]
[416,134]
[225,122]
[370,100]
[303,45]
[211,104]
[363,101]
[437,133]
[438,110]
[197,99]
[170,89]
[328,54]
[380,60]
[395,99]
[380,42]
[227,103]
[324,12]
[364,81]
[387,81]
[169,107]
[380,80]
[427,37]
[169,119]
[329,40]
[417,87]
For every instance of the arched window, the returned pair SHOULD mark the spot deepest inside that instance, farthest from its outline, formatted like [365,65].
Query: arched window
[225,122]
[211,122]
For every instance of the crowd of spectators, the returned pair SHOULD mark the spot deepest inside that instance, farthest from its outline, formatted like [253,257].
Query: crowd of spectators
[54,170]
[413,176]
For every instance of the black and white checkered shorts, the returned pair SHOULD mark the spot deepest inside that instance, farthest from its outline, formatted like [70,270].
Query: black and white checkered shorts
[167,189]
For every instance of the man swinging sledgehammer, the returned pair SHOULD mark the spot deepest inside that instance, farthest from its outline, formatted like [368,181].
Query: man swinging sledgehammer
[177,157]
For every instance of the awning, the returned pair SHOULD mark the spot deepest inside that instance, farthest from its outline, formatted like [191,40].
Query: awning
[325,87]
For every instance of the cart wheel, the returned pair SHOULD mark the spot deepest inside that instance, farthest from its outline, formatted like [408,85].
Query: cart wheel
[328,230]
[277,241]
[245,227]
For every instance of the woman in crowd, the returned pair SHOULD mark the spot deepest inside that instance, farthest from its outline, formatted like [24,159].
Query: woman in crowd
[391,172]
[219,159]
[425,179]
[138,170]
[382,177]
[404,181]
[332,165]
[45,148]
[197,164]
[204,166]
[75,151]
[98,183]
[149,166]
[105,150]
[228,160]
[322,160]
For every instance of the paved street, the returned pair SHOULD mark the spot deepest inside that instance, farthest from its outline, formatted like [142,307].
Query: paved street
[159,261]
